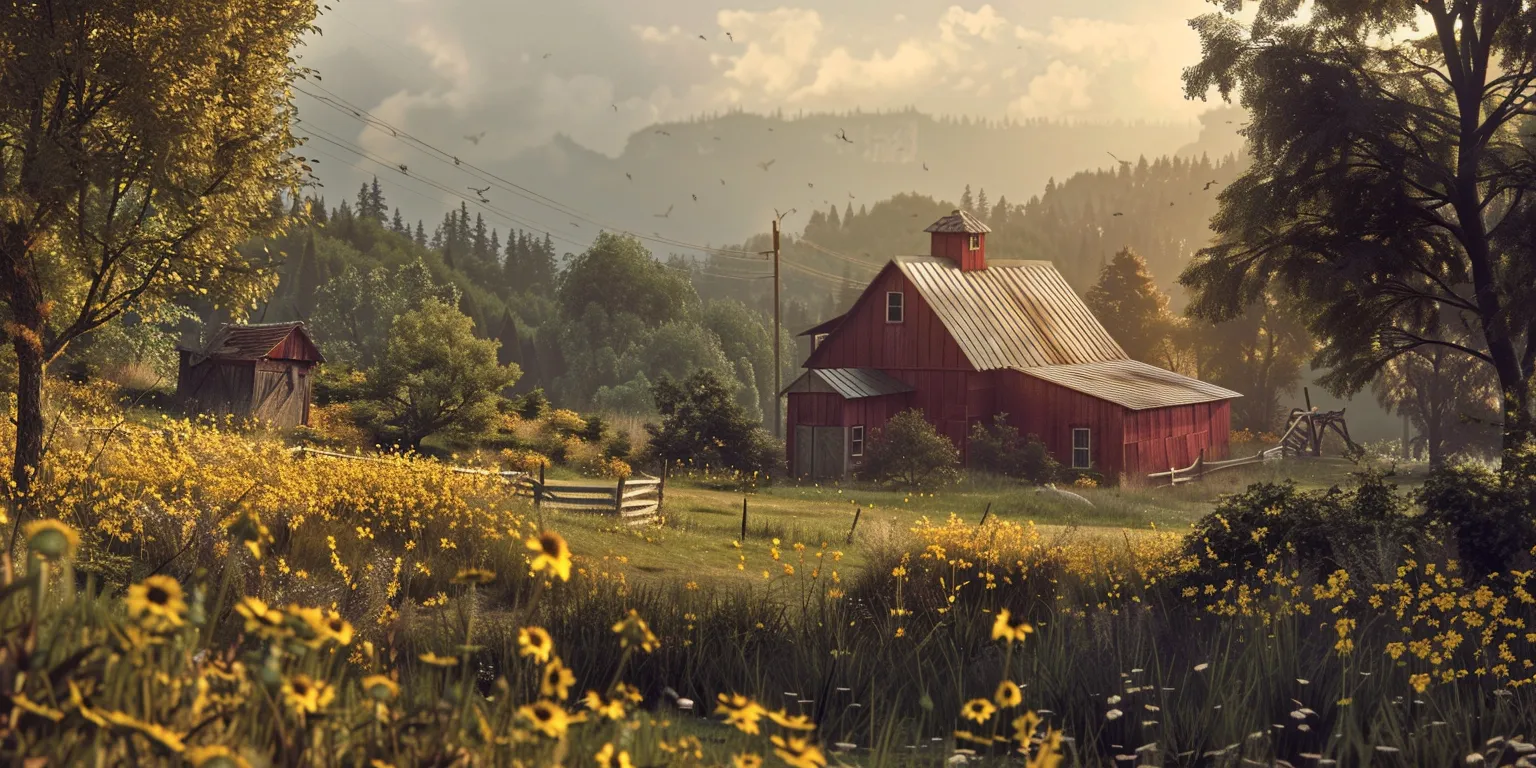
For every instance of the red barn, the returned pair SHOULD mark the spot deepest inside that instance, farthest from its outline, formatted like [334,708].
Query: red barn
[963,340]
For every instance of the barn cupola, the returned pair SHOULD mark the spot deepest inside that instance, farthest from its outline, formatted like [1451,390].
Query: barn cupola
[961,238]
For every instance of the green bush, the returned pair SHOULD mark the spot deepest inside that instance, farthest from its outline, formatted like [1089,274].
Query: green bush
[534,405]
[999,449]
[703,425]
[1488,516]
[595,430]
[909,452]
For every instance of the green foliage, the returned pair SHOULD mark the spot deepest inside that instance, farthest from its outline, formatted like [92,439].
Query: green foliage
[909,452]
[1000,450]
[1451,399]
[594,430]
[356,309]
[1259,353]
[533,405]
[436,376]
[1131,307]
[1319,531]
[702,424]
[1490,516]
[1395,239]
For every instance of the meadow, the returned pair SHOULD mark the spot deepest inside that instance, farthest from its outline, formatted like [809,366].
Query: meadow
[185,592]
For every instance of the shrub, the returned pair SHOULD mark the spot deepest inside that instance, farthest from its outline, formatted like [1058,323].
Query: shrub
[1488,516]
[595,430]
[1315,530]
[998,449]
[564,422]
[702,424]
[332,426]
[620,446]
[517,460]
[533,405]
[339,383]
[909,452]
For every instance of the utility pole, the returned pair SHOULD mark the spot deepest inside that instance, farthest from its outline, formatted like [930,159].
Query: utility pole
[778,368]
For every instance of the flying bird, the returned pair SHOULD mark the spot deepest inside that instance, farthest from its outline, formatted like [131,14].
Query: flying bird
[1170,203]
[479,190]
[403,168]
[1125,163]
[484,200]
[729,37]
[627,176]
[547,55]
[695,198]
[705,39]
[455,160]
[841,134]
[809,184]
[851,197]
[615,107]
[925,166]
[717,138]
[1209,184]
[722,182]
[1117,213]
[664,133]
[764,165]
[574,224]
[664,215]
[475,139]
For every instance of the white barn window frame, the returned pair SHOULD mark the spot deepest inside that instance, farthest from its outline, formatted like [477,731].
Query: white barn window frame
[856,440]
[1082,448]
[895,307]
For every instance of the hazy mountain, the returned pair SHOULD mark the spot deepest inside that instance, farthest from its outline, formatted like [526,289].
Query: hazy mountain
[809,166]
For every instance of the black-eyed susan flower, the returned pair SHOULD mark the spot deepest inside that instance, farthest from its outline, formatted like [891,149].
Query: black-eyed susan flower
[548,718]
[1004,629]
[261,620]
[308,624]
[798,752]
[977,710]
[613,709]
[474,576]
[51,539]
[747,760]
[380,688]
[250,531]
[557,680]
[627,692]
[553,558]
[157,603]
[634,632]
[214,756]
[535,643]
[304,694]
[792,722]
[336,629]
[741,712]
[438,661]
[1008,694]
[612,757]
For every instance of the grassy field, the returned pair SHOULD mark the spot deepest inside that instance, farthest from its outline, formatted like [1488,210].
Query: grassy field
[698,540]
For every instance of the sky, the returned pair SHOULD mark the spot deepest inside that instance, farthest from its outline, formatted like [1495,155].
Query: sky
[598,71]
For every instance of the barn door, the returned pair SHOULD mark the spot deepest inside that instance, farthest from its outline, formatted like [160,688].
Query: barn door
[805,449]
[831,455]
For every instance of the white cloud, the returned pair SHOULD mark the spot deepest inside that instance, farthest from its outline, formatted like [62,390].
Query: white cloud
[652,34]
[780,45]
[1102,39]
[1060,91]
[983,23]
[841,71]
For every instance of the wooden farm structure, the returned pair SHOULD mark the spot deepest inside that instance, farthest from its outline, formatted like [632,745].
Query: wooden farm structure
[1305,430]
[260,372]
[963,340]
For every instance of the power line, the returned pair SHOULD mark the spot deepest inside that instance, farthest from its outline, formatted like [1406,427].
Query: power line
[346,108]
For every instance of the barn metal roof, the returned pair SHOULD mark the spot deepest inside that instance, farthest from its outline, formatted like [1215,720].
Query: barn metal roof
[1018,314]
[848,383]
[252,342]
[959,221]
[1132,384]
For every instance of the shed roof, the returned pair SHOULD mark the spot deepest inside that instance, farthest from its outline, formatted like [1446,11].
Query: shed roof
[1132,384]
[848,383]
[959,221]
[825,326]
[261,342]
[1018,314]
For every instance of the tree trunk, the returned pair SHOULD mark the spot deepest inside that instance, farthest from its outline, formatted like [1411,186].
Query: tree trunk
[29,413]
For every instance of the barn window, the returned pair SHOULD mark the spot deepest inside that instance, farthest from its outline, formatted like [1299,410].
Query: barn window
[895,307]
[856,441]
[817,340]
[975,242]
[1082,444]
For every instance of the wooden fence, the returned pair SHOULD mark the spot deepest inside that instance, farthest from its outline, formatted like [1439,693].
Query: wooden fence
[1286,447]
[635,500]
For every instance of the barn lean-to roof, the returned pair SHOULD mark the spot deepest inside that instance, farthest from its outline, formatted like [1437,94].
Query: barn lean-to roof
[259,342]
[848,383]
[1131,384]
[1011,314]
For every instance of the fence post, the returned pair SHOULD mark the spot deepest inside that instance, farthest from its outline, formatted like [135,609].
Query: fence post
[538,489]
[855,525]
[984,514]
[661,487]
[743,518]
[618,499]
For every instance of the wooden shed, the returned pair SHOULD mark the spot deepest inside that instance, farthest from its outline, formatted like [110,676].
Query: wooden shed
[963,340]
[251,371]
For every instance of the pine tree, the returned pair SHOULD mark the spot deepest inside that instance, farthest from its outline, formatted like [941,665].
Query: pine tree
[1000,212]
[983,206]
[494,250]
[318,211]
[376,201]
[421,234]
[965,199]
[364,202]
[309,280]
[511,345]
[1127,301]
[848,216]
[547,267]
[398,224]
[479,243]
[833,222]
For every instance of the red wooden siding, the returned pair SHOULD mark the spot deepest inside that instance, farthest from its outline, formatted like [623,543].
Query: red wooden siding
[955,246]
[296,346]
[1051,412]
[1165,438]
[866,340]
[824,409]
